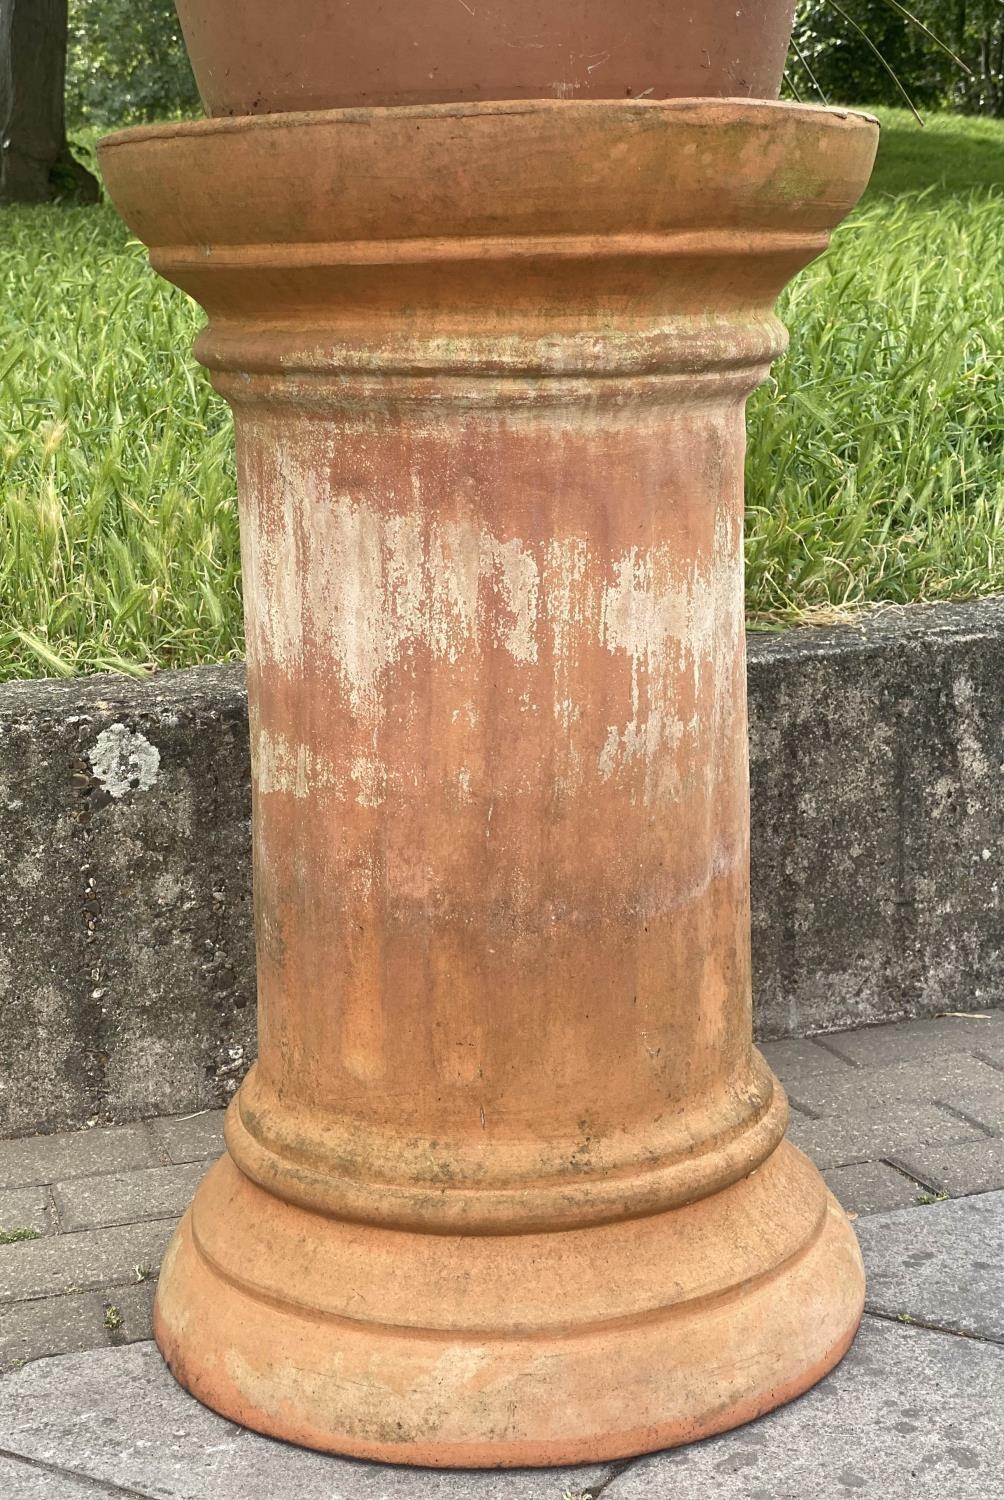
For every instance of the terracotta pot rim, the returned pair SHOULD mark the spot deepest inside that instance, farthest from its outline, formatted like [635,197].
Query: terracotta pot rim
[715,111]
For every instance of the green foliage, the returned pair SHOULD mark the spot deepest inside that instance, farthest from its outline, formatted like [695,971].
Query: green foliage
[875,49]
[126,63]
[874,467]
[118,523]
[949,156]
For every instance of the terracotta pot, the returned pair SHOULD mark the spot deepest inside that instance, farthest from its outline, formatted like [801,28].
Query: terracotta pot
[260,56]
[508,1183]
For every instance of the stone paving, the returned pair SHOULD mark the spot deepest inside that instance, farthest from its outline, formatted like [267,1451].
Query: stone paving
[907,1122]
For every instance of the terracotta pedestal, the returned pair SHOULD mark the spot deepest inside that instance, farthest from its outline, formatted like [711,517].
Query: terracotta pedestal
[508,1184]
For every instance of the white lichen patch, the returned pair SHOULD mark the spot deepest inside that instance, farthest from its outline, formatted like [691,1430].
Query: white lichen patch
[124,761]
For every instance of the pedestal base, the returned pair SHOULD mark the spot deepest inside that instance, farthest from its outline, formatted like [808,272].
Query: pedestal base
[509,1350]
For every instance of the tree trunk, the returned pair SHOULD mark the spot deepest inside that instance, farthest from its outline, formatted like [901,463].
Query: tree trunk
[35,161]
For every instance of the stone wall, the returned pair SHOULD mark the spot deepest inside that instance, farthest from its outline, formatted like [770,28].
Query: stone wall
[126,961]
[877,775]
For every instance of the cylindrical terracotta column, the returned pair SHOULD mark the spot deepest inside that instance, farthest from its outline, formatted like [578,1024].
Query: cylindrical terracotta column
[507,1184]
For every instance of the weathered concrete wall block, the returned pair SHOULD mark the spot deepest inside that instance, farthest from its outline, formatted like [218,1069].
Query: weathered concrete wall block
[878,818]
[126,956]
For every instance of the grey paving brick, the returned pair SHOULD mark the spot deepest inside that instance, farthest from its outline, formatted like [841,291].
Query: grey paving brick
[878,1046]
[73,1322]
[80,1153]
[798,1058]
[985,1104]
[80,1262]
[940,1265]
[946,1079]
[126,1197]
[908,1415]
[974,1167]
[28,1481]
[871,1186]
[191,1137]
[26,1208]
[878,1134]
[143,1431]
[992,1050]
[134,1304]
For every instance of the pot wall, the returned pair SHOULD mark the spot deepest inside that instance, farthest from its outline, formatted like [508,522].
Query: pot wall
[257,57]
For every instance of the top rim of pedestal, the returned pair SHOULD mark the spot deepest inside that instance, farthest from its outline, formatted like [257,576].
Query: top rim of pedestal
[709,111]
[507,170]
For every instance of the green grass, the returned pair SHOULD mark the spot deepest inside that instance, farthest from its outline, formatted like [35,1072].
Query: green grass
[118,525]
[17,1236]
[875,462]
[951,155]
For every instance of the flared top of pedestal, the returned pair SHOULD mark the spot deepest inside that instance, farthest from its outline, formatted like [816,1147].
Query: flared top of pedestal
[543,166]
[559,179]
[604,237]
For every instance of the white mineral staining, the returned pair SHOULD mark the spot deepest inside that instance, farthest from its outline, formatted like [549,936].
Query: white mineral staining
[124,761]
[337,581]
[281,766]
[674,619]
[570,605]
[517,578]
[367,588]
[369,775]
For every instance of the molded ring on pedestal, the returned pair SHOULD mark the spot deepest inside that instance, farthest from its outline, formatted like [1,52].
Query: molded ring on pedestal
[447,1186]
